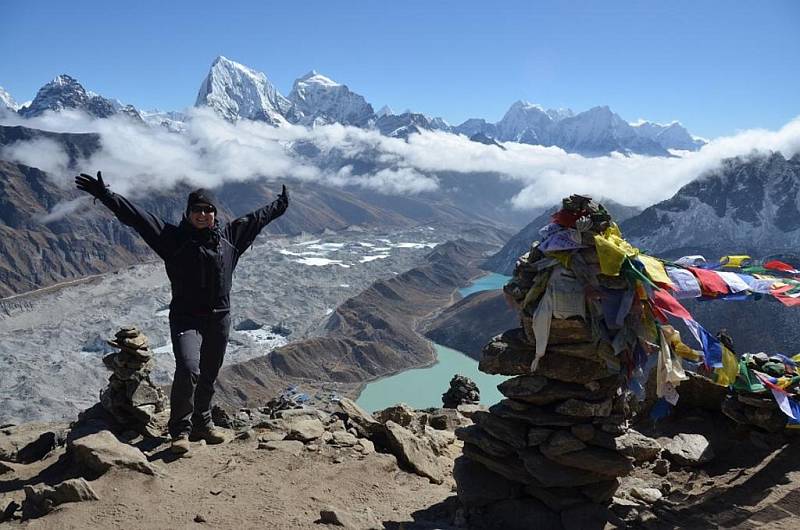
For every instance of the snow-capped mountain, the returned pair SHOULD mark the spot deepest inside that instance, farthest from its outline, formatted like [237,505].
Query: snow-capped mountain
[749,205]
[386,110]
[170,120]
[318,99]
[671,136]
[597,131]
[6,101]
[402,125]
[64,92]
[235,91]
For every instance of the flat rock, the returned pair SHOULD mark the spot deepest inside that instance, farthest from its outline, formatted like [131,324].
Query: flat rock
[414,452]
[365,446]
[469,410]
[585,409]
[476,485]
[561,442]
[507,430]
[540,390]
[512,354]
[292,447]
[42,498]
[545,472]
[689,449]
[601,492]
[98,452]
[510,467]
[571,369]
[532,415]
[593,459]
[489,444]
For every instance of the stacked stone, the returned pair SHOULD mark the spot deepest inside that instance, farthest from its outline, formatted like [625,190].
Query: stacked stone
[131,397]
[462,391]
[758,408]
[556,438]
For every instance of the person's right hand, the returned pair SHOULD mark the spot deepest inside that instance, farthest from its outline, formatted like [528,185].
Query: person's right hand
[93,186]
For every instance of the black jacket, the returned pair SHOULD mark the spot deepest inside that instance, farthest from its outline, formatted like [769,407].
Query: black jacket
[199,263]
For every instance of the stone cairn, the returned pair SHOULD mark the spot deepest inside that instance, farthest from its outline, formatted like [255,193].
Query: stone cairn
[131,397]
[462,391]
[552,445]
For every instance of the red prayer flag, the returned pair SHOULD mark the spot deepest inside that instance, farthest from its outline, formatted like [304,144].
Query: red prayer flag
[711,283]
[778,266]
[667,303]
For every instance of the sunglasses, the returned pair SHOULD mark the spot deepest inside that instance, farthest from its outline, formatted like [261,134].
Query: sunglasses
[199,208]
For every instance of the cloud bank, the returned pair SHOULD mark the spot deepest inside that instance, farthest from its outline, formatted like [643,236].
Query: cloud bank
[135,158]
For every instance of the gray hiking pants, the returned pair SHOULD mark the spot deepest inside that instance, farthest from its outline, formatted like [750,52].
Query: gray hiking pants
[199,345]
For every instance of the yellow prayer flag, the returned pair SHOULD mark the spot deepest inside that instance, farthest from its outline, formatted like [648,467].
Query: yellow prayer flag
[655,269]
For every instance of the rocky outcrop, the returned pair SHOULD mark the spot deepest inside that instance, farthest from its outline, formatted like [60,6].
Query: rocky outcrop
[462,391]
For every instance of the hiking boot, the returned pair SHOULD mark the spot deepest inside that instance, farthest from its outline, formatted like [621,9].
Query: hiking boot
[180,444]
[212,435]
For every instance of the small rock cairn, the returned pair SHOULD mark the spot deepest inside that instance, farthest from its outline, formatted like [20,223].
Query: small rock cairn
[462,391]
[552,445]
[131,397]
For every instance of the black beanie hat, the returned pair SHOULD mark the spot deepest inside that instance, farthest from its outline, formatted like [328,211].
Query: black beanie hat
[201,196]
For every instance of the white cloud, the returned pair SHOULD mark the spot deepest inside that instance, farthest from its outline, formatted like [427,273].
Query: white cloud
[213,151]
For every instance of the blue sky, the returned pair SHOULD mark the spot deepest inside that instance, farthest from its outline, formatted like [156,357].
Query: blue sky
[717,66]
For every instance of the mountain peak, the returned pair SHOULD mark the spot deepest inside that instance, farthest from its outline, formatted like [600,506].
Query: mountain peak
[65,92]
[236,91]
[318,99]
[314,77]
[6,101]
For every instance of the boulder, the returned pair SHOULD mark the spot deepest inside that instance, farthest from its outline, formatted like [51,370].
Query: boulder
[478,486]
[358,418]
[438,440]
[648,495]
[39,500]
[304,430]
[447,419]
[401,414]
[638,446]
[344,438]
[98,452]
[689,449]
[414,452]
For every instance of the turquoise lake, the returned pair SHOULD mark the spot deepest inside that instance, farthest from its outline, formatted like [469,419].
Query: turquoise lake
[423,387]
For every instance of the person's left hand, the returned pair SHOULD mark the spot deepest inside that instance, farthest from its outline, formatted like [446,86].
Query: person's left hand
[284,196]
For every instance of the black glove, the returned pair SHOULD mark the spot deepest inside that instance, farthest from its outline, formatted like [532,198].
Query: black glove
[93,186]
[284,196]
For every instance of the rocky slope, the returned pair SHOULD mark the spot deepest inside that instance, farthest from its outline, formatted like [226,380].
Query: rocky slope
[371,335]
[465,325]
